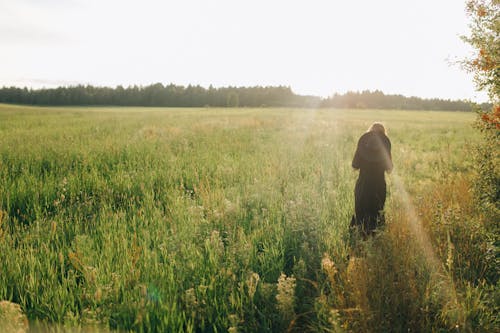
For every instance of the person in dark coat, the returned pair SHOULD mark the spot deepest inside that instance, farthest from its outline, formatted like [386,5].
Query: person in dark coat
[373,159]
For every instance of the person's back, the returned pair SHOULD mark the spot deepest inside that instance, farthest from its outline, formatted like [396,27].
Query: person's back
[373,159]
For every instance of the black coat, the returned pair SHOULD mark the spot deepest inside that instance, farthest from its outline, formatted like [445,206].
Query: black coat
[372,158]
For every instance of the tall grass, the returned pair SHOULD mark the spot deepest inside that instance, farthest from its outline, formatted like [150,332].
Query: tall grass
[221,220]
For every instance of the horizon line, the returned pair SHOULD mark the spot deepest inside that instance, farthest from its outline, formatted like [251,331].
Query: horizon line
[72,84]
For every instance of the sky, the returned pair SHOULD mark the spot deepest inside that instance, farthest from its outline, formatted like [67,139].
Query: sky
[317,47]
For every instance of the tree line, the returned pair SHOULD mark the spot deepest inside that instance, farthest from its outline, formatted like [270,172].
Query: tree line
[378,100]
[197,96]
[159,95]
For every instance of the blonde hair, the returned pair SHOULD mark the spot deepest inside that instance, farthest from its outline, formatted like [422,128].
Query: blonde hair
[377,127]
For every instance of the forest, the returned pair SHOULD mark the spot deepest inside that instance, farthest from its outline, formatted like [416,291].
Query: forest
[197,96]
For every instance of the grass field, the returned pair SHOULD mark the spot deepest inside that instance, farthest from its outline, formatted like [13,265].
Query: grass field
[157,219]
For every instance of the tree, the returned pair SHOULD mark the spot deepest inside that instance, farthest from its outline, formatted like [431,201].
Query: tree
[233,99]
[485,39]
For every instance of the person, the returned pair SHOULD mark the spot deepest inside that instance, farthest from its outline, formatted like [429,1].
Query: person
[372,158]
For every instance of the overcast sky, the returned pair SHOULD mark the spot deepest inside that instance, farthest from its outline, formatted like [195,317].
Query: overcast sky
[317,46]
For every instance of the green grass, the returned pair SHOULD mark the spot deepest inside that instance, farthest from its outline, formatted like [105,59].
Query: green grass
[159,219]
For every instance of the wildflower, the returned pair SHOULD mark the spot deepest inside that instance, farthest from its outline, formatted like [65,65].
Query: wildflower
[215,245]
[233,320]
[143,290]
[98,295]
[53,227]
[12,318]
[286,296]
[252,282]
[329,268]
[449,258]
[190,298]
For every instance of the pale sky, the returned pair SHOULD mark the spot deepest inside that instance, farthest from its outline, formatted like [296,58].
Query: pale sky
[317,47]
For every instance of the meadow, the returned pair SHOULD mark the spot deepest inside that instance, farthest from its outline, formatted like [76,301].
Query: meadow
[237,219]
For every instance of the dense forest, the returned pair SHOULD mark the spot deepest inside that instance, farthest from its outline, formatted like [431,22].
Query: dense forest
[198,96]
[159,95]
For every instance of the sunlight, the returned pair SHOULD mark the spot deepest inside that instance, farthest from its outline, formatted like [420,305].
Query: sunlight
[440,277]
